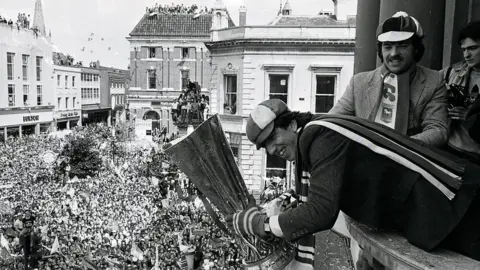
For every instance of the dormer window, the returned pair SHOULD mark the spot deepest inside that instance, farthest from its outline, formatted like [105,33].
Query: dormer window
[151,52]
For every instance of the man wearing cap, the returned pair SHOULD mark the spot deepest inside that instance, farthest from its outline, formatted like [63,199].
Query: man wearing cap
[368,171]
[400,94]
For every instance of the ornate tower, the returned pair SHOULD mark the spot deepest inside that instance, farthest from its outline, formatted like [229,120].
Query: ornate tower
[38,20]
[287,9]
[220,19]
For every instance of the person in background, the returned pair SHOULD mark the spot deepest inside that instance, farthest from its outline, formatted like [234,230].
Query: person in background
[463,83]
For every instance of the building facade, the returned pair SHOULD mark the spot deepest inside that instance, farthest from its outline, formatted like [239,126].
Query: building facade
[167,51]
[306,61]
[26,86]
[115,82]
[68,106]
[95,103]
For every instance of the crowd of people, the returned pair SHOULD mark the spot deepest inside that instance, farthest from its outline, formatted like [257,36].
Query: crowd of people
[23,21]
[191,106]
[176,9]
[135,206]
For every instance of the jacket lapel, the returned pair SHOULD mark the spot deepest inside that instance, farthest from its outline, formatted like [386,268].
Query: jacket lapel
[417,87]
[374,91]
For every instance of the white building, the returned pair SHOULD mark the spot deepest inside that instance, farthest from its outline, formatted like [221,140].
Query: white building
[68,106]
[307,61]
[26,85]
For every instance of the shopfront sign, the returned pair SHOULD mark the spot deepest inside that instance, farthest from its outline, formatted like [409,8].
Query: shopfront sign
[70,114]
[31,118]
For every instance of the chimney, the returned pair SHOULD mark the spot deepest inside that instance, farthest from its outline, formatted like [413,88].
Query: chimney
[242,20]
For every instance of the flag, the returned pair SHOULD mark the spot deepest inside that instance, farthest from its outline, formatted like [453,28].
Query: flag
[183,263]
[55,246]
[136,252]
[4,243]
[154,181]
[88,264]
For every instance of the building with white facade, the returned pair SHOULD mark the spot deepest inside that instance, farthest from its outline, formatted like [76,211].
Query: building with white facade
[26,84]
[307,61]
[68,106]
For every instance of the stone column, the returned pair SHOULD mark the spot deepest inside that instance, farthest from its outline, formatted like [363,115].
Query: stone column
[20,131]
[431,15]
[368,13]
[37,129]
[5,134]
[68,124]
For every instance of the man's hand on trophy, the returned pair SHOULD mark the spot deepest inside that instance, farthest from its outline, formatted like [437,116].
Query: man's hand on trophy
[249,221]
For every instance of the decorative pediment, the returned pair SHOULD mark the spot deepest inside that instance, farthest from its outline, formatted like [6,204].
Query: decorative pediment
[230,69]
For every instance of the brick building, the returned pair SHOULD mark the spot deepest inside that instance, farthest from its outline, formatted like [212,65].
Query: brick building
[307,61]
[167,50]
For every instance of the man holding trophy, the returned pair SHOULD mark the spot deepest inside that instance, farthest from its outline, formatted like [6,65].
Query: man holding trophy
[368,171]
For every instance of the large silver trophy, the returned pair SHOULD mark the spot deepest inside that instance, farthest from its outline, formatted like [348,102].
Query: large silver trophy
[206,158]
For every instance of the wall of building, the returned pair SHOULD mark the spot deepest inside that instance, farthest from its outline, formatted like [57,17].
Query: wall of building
[70,112]
[252,68]
[25,42]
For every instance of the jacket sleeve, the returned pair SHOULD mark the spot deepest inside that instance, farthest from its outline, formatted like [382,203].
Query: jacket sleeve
[325,152]
[346,104]
[434,119]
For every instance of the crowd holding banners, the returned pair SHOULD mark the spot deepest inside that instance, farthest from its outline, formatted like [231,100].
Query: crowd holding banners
[79,224]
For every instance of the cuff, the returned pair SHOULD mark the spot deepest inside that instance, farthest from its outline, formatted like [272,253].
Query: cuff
[275,226]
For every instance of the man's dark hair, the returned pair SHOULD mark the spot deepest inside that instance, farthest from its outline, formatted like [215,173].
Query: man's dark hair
[285,119]
[472,30]
[418,46]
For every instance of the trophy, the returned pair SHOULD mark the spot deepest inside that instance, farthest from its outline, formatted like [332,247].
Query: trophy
[206,158]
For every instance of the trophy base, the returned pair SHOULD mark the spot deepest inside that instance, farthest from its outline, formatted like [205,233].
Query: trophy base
[278,260]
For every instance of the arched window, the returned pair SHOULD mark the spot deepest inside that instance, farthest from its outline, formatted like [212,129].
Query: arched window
[151,115]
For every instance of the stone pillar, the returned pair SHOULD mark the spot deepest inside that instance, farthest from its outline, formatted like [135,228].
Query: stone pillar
[68,124]
[20,131]
[368,13]
[5,134]
[37,129]
[455,20]
[109,119]
[431,15]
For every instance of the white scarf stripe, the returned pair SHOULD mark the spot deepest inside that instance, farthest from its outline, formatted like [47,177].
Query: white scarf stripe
[305,255]
[385,152]
[303,198]
[306,182]
[235,223]
[247,223]
[306,248]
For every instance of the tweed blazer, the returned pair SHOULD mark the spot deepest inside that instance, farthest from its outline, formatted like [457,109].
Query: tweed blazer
[428,103]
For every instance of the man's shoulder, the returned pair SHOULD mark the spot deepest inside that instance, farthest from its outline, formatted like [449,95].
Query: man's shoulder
[431,75]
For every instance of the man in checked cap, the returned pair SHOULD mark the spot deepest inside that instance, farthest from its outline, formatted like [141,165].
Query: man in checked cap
[370,172]
[400,94]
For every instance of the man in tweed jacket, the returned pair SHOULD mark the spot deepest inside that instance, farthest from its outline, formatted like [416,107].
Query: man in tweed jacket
[400,47]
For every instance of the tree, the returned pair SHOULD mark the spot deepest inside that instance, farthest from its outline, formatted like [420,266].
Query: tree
[82,156]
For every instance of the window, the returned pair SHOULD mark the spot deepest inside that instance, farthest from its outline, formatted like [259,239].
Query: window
[58,80]
[151,52]
[277,166]
[74,102]
[66,103]
[66,81]
[95,78]
[11,95]
[39,68]
[230,105]
[59,103]
[185,80]
[278,87]
[10,65]
[73,81]
[25,67]
[152,79]
[39,95]
[26,94]
[324,93]
[96,93]
[185,53]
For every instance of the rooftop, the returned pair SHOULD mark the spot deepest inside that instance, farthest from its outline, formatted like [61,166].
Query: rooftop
[315,20]
[175,25]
